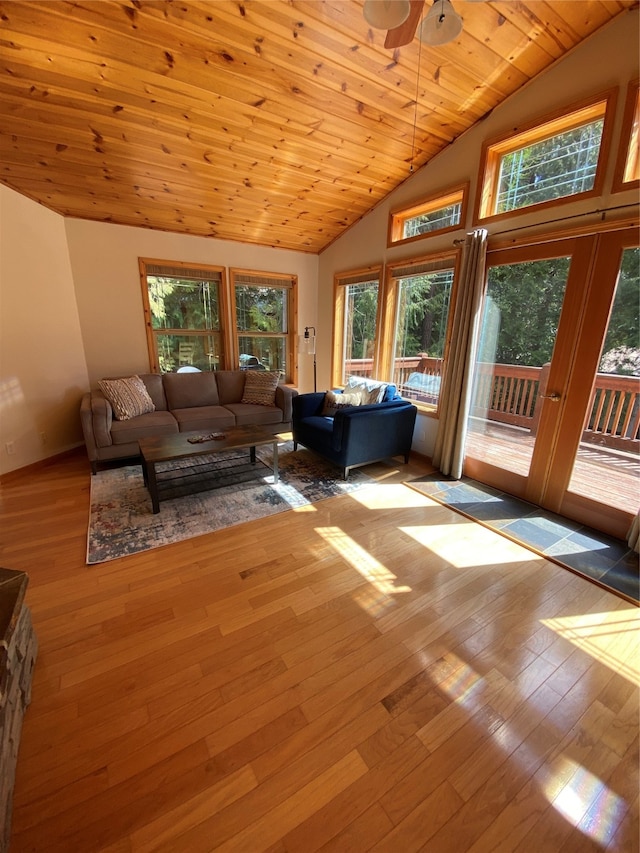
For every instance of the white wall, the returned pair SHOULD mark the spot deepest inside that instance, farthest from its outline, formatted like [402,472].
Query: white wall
[608,59]
[42,366]
[104,260]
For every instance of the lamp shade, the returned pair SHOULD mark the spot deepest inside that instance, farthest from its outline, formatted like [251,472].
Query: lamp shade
[441,25]
[386,14]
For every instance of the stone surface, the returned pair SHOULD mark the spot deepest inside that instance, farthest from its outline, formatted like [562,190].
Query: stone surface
[18,650]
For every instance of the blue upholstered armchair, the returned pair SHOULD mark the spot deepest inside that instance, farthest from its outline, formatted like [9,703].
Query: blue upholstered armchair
[355,435]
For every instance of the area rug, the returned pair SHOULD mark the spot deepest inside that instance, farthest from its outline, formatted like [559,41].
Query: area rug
[121,521]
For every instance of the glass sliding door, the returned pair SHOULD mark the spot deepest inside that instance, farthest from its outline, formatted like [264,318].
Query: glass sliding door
[606,466]
[518,332]
[602,448]
[555,415]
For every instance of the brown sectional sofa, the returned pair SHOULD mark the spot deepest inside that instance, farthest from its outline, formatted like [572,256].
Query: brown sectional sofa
[184,402]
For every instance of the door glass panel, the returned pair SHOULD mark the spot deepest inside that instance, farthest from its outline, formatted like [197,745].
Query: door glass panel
[606,468]
[518,332]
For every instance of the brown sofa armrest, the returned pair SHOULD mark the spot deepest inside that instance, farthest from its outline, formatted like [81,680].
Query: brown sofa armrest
[101,419]
[284,396]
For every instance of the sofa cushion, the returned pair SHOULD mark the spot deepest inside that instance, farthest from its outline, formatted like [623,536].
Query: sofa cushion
[260,387]
[250,413]
[185,390]
[154,385]
[128,397]
[197,418]
[230,385]
[316,433]
[144,426]
[334,400]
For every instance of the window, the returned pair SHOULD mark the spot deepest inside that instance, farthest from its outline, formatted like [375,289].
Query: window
[420,298]
[263,308]
[554,161]
[442,213]
[627,174]
[355,324]
[183,308]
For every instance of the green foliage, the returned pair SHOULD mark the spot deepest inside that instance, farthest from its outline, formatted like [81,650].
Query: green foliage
[624,323]
[564,164]
[522,311]
[182,303]
[261,309]
[423,310]
[361,308]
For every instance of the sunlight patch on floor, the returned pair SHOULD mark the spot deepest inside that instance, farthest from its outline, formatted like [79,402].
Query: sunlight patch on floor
[468,544]
[462,684]
[612,638]
[380,578]
[391,496]
[584,800]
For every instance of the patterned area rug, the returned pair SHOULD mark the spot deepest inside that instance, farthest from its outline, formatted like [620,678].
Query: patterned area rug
[121,521]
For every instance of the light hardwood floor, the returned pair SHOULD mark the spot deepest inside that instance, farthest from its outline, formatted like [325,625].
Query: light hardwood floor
[373,673]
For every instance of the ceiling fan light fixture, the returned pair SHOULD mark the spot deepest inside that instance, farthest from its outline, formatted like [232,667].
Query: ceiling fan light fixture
[386,14]
[441,25]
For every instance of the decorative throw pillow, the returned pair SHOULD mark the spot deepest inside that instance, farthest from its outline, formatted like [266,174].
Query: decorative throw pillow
[260,387]
[371,390]
[333,402]
[128,397]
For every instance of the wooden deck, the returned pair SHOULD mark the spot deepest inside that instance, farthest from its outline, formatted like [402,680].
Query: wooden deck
[609,476]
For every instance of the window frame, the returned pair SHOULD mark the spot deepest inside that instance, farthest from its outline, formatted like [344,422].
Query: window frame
[450,259]
[443,198]
[285,281]
[341,281]
[628,150]
[601,106]
[173,269]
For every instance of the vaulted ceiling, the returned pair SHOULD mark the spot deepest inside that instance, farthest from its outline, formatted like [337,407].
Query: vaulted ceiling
[275,122]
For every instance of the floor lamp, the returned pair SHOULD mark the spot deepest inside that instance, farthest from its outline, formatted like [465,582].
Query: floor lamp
[309,346]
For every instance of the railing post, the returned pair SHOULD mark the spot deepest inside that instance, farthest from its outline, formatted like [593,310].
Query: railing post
[542,389]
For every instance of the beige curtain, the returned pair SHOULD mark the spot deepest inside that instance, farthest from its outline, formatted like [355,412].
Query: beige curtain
[455,397]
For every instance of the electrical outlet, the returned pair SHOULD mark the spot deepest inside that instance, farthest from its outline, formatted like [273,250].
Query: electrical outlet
[43,438]
[10,448]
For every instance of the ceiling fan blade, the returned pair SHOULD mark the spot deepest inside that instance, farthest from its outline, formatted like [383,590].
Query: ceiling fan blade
[399,36]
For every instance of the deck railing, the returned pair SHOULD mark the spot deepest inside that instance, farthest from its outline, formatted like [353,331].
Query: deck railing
[511,394]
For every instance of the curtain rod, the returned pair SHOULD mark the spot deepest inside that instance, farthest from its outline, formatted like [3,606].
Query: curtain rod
[459,241]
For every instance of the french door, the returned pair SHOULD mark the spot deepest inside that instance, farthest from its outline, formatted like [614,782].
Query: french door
[555,402]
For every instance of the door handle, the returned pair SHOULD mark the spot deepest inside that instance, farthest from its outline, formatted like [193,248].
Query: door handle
[554,397]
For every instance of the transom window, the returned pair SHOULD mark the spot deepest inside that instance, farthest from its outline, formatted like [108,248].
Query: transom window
[559,166]
[627,173]
[558,159]
[435,215]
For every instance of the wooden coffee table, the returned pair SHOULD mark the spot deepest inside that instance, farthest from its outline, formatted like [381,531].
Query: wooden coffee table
[170,448]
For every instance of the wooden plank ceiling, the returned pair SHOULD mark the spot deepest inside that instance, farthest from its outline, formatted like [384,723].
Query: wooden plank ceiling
[274,122]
